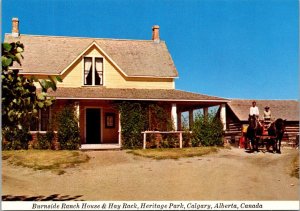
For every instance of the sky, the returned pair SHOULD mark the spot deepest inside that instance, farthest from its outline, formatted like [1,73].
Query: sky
[247,49]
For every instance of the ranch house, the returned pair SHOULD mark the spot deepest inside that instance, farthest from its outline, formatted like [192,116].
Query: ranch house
[97,72]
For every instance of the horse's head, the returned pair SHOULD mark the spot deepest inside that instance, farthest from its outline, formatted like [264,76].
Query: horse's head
[280,125]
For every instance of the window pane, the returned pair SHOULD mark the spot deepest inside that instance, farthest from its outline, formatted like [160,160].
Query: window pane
[99,71]
[88,71]
[45,114]
[34,124]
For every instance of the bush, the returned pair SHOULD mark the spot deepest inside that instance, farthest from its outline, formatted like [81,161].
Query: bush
[67,129]
[207,131]
[16,139]
[45,140]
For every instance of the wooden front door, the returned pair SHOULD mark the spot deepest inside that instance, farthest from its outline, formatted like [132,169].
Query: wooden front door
[93,126]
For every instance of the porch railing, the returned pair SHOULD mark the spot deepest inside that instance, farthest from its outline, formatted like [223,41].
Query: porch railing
[164,132]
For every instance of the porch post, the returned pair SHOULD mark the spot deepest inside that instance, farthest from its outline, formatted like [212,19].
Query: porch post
[223,115]
[120,130]
[191,118]
[205,111]
[174,116]
[179,120]
[77,111]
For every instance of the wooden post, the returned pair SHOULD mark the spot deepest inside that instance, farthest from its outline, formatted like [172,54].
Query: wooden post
[174,116]
[223,115]
[144,141]
[77,112]
[205,112]
[120,134]
[180,139]
[191,118]
[179,120]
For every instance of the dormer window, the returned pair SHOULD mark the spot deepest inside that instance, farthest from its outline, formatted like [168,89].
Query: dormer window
[93,71]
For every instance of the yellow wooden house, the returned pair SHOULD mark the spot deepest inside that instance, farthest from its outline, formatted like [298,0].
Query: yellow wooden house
[96,72]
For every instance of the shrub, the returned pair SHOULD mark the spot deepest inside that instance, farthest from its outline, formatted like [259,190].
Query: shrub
[16,139]
[207,131]
[45,140]
[67,129]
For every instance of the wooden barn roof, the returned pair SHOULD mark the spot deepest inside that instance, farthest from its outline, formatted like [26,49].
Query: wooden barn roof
[285,109]
[132,94]
[136,58]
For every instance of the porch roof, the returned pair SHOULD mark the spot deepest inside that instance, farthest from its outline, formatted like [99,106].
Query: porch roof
[102,93]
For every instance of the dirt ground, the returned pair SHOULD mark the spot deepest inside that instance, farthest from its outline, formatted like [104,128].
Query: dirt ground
[231,174]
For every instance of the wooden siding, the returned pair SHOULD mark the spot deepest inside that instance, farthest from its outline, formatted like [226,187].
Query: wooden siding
[113,78]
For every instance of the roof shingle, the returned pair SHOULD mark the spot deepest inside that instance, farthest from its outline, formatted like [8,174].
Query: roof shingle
[131,94]
[52,54]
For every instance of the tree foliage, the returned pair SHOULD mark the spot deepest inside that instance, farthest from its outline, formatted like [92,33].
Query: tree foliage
[20,100]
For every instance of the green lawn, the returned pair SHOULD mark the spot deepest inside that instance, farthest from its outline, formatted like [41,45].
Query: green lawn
[173,153]
[56,161]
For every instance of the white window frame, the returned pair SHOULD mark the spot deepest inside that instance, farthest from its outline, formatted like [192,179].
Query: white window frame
[93,69]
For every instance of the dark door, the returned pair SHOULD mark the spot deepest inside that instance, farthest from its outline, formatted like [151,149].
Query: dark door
[93,126]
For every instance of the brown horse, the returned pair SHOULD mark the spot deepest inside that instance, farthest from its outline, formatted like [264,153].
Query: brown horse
[254,130]
[277,130]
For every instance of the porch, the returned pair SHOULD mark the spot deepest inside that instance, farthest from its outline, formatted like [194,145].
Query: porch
[100,120]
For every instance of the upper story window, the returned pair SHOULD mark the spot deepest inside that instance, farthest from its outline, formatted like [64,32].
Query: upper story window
[93,71]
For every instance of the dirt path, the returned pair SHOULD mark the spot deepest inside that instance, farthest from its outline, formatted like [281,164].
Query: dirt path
[117,175]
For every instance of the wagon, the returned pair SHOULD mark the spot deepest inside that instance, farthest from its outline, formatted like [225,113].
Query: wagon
[265,141]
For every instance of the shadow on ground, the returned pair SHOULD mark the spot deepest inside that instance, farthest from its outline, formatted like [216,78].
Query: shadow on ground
[53,197]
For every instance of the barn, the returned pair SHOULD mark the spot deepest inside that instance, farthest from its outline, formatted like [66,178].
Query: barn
[237,111]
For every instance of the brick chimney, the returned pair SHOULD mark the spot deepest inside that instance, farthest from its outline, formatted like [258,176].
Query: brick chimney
[15,27]
[155,33]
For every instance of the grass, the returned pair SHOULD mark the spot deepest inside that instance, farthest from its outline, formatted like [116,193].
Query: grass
[173,153]
[295,167]
[56,161]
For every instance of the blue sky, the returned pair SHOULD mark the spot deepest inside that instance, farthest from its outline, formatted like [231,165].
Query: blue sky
[226,48]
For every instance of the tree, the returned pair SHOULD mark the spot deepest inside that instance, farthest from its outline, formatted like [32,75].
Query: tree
[20,100]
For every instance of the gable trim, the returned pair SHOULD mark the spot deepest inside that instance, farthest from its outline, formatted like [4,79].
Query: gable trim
[101,50]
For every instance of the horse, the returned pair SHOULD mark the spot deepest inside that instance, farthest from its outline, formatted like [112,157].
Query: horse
[254,129]
[277,130]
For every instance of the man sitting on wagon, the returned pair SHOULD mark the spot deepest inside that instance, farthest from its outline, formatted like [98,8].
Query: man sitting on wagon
[254,110]
[267,115]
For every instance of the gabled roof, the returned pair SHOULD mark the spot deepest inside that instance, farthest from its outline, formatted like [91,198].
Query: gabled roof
[103,93]
[136,58]
[285,109]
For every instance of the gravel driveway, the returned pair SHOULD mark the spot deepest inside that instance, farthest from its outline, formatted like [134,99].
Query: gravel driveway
[116,175]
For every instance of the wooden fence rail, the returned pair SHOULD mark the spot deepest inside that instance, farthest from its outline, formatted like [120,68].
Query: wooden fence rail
[165,132]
